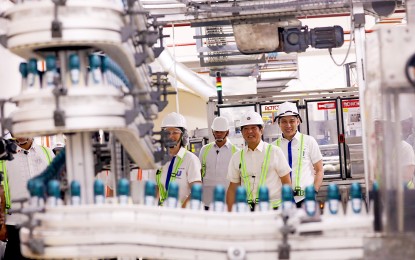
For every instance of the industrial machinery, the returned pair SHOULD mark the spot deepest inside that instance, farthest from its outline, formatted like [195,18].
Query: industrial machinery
[97,78]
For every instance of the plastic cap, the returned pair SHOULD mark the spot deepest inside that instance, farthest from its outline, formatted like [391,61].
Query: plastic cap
[263,194]
[75,188]
[74,62]
[219,193]
[174,190]
[94,61]
[220,124]
[287,193]
[310,193]
[196,191]
[333,192]
[123,187]
[355,191]
[32,67]
[174,120]
[54,189]
[35,187]
[23,69]
[99,187]
[241,194]
[150,189]
[50,63]
[251,118]
[105,63]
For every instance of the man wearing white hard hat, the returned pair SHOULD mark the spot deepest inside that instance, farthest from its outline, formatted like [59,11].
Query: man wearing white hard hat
[258,164]
[215,158]
[301,151]
[184,167]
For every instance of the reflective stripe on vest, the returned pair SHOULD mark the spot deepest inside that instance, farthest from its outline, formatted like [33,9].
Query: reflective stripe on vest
[205,153]
[264,172]
[299,163]
[410,185]
[163,193]
[5,181]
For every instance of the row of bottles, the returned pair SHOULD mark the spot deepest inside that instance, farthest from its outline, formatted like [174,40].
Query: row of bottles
[99,70]
[311,207]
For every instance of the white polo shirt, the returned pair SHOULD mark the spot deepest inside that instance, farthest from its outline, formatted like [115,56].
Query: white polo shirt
[188,172]
[311,155]
[278,167]
[217,162]
[20,170]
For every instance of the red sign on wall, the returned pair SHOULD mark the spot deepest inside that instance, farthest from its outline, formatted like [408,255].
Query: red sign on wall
[326,105]
[350,103]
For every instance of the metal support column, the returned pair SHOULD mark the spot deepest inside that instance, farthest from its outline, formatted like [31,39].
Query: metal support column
[80,164]
[358,21]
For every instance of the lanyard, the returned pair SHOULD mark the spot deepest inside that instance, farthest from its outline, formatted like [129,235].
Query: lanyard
[205,153]
[300,159]
[165,191]
[264,171]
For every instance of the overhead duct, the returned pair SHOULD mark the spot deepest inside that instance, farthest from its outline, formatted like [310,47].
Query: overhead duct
[186,76]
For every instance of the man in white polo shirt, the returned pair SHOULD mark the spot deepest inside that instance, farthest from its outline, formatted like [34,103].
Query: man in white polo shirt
[300,150]
[258,164]
[215,158]
[184,167]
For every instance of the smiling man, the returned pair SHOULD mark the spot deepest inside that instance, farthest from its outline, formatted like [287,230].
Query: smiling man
[301,151]
[184,167]
[258,164]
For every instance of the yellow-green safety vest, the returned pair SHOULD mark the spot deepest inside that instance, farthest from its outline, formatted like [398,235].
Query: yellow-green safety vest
[5,181]
[205,153]
[163,193]
[264,172]
[297,188]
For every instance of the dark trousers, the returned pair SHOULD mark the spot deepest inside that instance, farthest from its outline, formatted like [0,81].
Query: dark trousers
[13,244]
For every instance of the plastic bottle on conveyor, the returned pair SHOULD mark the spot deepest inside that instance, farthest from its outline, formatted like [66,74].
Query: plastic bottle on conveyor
[310,204]
[219,198]
[23,72]
[54,193]
[287,198]
[263,199]
[37,191]
[33,80]
[75,75]
[332,205]
[94,74]
[196,197]
[123,190]
[99,192]
[150,193]
[173,195]
[50,73]
[355,205]
[241,204]
[75,193]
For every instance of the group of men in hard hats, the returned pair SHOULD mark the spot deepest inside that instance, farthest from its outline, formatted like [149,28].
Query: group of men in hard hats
[294,159]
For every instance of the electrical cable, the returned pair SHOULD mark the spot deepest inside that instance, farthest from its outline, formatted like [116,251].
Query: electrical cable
[350,44]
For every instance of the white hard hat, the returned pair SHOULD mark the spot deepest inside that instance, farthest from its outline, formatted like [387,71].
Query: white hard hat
[174,120]
[287,109]
[220,123]
[251,118]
